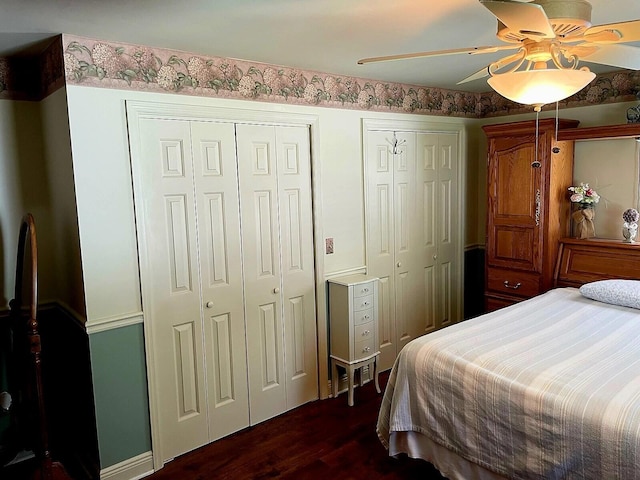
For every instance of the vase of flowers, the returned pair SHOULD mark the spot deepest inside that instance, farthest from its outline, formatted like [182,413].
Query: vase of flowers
[630,225]
[584,198]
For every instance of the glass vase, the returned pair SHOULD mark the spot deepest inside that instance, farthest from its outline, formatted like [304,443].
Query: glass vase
[629,232]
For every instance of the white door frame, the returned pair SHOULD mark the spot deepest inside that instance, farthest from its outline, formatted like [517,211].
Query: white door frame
[137,110]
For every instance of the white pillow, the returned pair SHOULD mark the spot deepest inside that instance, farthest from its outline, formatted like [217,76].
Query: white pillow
[625,293]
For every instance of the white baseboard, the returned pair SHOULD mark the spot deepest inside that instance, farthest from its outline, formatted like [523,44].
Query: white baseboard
[131,469]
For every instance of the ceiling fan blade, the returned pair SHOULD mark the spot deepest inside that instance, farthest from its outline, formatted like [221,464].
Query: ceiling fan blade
[497,66]
[484,72]
[628,31]
[580,51]
[622,56]
[529,19]
[437,53]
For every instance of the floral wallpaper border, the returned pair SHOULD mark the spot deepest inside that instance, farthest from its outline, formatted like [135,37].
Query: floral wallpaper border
[83,61]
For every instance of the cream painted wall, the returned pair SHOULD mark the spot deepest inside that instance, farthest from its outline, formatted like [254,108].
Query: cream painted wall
[609,166]
[24,187]
[64,221]
[36,178]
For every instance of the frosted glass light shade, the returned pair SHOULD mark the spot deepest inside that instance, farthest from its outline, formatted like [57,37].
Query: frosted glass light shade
[539,87]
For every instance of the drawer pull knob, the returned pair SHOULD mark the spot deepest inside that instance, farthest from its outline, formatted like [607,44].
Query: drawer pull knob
[366,317]
[515,287]
[399,264]
[365,333]
[366,349]
[364,304]
[365,290]
[276,290]
[209,304]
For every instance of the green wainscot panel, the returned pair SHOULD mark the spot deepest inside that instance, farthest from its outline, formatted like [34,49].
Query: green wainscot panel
[121,397]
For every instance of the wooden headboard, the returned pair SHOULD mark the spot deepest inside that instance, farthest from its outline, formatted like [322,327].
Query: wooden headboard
[584,261]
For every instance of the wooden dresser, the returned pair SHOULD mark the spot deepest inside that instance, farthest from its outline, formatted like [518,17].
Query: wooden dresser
[528,211]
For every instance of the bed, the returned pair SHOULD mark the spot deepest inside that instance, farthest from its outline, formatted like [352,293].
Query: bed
[548,388]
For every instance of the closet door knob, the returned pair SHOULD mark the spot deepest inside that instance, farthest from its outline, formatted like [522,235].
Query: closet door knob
[276,290]
[209,304]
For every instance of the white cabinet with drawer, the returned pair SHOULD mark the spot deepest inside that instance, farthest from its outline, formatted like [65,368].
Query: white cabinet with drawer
[353,316]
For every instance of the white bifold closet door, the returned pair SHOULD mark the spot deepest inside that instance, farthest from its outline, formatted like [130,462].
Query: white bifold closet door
[193,282]
[412,242]
[231,299]
[437,193]
[277,240]
[392,239]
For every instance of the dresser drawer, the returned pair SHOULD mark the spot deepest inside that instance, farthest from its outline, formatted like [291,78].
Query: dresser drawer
[362,303]
[364,348]
[363,289]
[364,331]
[363,316]
[513,282]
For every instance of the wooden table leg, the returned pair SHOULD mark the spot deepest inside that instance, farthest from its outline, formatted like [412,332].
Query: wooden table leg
[335,379]
[351,372]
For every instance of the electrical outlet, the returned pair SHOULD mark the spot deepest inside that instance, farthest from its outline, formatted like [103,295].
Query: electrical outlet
[328,242]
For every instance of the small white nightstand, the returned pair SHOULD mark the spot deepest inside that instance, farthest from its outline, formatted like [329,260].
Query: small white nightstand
[353,316]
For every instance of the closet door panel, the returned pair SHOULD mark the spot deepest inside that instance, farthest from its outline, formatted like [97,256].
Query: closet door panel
[381,236]
[257,169]
[438,173]
[408,274]
[298,277]
[428,194]
[216,184]
[163,175]
[448,243]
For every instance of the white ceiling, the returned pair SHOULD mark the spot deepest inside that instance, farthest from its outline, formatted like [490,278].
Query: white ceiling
[324,35]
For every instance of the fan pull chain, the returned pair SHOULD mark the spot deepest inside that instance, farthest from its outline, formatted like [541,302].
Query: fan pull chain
[536,163]
[556,139]
[556,149]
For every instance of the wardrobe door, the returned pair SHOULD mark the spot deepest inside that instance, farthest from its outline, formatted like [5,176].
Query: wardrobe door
[298,272]
[216,186]
[164,187]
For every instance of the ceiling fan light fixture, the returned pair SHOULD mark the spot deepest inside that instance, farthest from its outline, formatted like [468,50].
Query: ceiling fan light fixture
[539,87]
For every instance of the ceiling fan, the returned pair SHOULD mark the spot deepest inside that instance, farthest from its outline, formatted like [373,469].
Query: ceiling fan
[543,33]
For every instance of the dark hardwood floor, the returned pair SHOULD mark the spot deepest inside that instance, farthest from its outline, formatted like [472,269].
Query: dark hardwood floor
[325,440]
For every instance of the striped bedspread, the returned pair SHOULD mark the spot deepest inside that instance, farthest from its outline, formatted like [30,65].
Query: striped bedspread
[545,389]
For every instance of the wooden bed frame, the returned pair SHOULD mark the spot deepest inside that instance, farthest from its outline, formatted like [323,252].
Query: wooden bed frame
[584,261]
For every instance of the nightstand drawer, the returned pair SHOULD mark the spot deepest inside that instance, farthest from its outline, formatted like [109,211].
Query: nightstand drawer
[364,348]
[364,331]
[363,316]
[512,282]
[363,289]
[362,303]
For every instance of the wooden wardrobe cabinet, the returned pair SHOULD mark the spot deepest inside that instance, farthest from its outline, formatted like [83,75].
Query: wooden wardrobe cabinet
[528,209]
